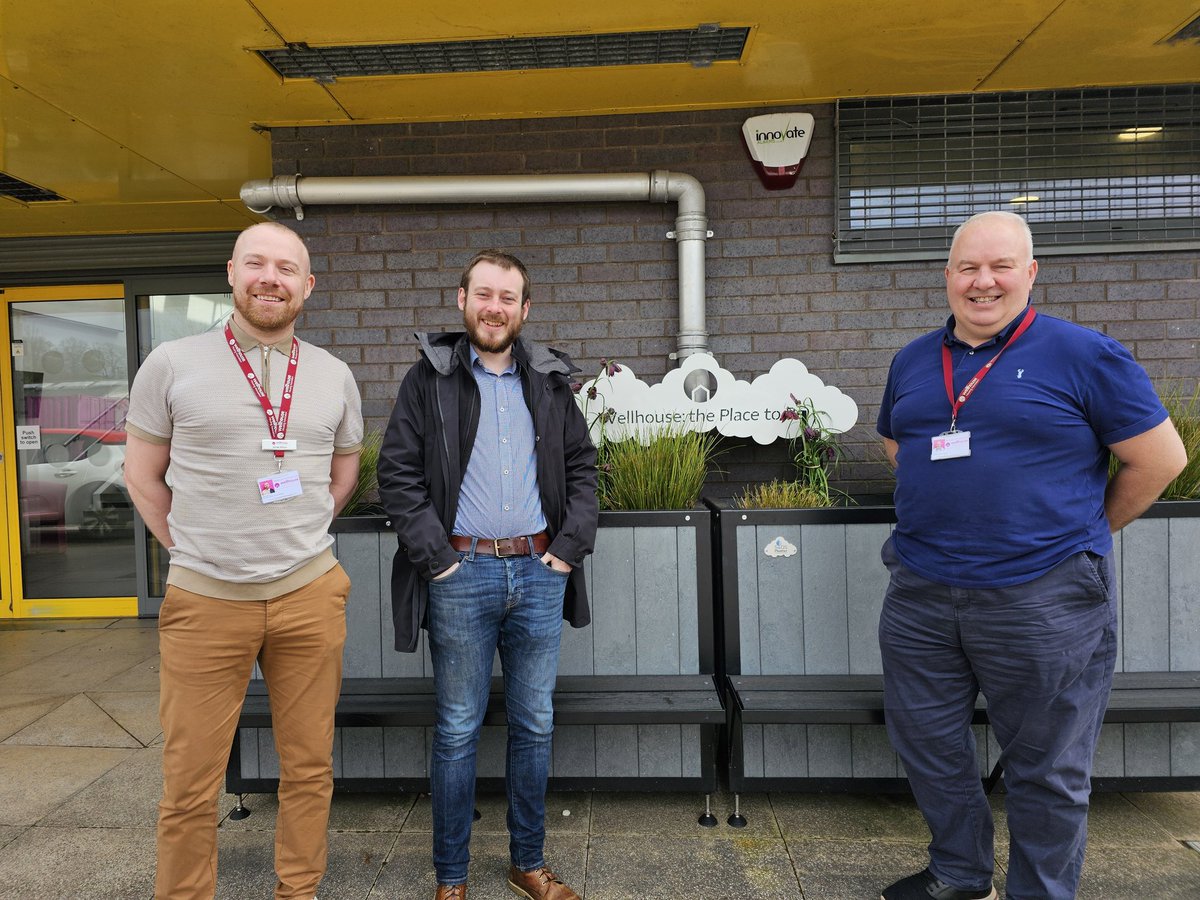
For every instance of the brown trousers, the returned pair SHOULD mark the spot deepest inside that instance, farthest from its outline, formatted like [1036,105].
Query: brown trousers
[208,649]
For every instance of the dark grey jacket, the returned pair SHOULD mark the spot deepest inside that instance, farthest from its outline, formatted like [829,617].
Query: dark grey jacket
[424,457]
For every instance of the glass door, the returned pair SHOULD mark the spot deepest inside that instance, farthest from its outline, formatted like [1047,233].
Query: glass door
[64,399]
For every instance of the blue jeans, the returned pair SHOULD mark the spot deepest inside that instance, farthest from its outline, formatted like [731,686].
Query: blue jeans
[1043,654]
[516,604]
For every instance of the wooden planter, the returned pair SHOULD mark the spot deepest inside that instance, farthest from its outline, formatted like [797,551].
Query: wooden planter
[816,612]
[651,589]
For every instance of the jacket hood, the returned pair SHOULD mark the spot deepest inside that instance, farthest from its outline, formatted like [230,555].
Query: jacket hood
[445,349]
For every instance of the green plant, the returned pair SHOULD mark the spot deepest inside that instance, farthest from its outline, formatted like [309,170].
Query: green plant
[815,448]
[1184,409]
[364,499]
[778,494]
[655,470]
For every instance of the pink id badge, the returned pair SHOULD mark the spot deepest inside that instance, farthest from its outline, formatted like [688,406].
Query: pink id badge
[280,486]
[951,445]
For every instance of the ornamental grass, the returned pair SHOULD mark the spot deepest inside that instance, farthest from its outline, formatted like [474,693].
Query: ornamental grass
[659,470]
[779,494]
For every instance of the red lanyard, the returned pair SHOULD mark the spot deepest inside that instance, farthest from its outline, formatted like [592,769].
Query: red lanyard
[276,424]
[948,369]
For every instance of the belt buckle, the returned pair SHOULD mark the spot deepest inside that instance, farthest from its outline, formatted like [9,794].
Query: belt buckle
[496,548]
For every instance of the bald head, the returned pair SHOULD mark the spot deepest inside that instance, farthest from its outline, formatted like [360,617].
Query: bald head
[1002,219]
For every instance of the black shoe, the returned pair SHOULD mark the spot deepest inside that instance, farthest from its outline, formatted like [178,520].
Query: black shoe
[924,886]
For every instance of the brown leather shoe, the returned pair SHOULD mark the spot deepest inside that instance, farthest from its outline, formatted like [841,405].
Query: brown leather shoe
[540,884]
[451,892]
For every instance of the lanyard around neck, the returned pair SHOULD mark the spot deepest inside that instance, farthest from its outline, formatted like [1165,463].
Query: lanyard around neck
[956,402]
[276,423]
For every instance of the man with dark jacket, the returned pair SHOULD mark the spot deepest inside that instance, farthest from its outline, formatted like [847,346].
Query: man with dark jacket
[489,475]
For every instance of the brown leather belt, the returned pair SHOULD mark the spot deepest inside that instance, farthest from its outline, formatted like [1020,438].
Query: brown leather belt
[515,546]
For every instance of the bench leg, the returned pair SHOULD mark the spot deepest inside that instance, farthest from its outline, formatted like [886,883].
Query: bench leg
[736,819]
[708,820]
[239,812]
[989,783]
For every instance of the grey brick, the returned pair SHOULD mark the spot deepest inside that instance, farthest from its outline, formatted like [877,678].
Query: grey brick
[385,280]
[1183,290]
[355,262]
[1138,290]
[1070,293]
[576,254]
[1166,269]
[749,247]
[806,284]
[1132,331]
[1166,309]
[780,265]
[1104,271]
[863,281]
[1144,350]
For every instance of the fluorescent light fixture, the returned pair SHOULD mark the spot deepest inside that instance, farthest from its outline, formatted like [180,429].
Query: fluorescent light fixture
[1140,134]
[1026,198]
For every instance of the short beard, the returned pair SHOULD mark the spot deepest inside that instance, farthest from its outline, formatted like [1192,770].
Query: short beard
[489,343]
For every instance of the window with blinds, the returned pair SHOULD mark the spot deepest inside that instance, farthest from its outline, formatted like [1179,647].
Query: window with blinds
[1097,171]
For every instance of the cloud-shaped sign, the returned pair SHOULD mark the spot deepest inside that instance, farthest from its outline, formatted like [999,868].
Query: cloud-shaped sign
[701,396]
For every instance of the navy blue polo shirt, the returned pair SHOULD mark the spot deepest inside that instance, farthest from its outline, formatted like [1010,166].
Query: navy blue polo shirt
[1032,491]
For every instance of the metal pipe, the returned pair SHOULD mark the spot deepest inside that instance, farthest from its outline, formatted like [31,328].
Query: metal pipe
[691,224]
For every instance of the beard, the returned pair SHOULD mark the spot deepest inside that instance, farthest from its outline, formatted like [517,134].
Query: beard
[266,317]
[489,341]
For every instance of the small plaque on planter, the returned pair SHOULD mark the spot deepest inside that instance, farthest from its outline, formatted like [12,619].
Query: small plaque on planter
[780,547]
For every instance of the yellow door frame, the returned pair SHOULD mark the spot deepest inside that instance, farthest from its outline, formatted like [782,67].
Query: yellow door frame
[15,605]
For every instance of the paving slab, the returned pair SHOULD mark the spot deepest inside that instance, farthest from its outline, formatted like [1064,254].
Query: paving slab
[1114,821]
[854,870]
[142,676]
[87,664]
[20,648]
[19,710]
[135,711]
[629,866]
[409,869]
[678,814]
[1177,812]
[77,723]
[34,781]
[125,796]
[9,833]
[852,817]
[1125,872]
[101,863]
[246,865]
[493,808]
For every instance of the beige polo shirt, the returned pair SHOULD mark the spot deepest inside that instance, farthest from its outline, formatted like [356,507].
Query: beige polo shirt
[191,394]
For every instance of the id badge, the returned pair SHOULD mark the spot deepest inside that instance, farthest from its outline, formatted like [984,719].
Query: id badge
[951,445]
[280,486]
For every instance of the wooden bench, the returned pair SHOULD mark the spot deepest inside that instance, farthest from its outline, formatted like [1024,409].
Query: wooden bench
[599,700]
[1137,697]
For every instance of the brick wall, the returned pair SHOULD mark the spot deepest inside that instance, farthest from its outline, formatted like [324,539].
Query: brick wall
[604,274]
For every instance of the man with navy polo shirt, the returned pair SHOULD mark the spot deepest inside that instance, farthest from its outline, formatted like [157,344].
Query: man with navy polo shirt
[1000,426]
[489,475]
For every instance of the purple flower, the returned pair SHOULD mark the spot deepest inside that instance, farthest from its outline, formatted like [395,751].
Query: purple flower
[794,399]
[576,387]
[612,369]
[811,434]
[591,392]
[789,415]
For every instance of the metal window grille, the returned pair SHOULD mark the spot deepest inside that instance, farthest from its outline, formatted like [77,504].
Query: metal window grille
[700,46]
[1090,170]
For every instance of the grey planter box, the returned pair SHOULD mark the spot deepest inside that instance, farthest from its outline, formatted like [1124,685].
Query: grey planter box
[650,584]
[817,612]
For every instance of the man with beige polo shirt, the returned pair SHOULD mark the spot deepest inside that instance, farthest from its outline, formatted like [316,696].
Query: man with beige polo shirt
[243,446]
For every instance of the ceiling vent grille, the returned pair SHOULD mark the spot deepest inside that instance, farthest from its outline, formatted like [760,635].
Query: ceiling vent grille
[699,46]
[24,191]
